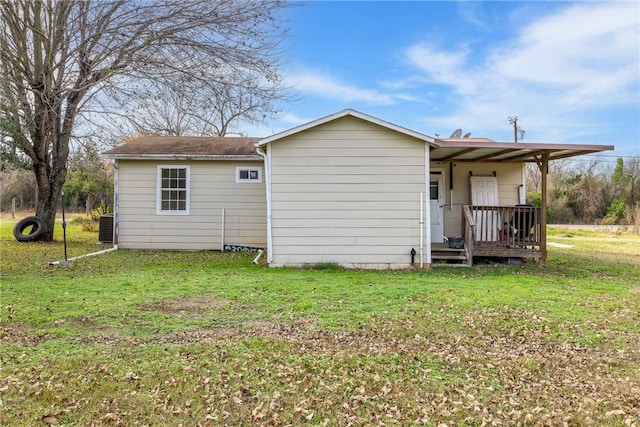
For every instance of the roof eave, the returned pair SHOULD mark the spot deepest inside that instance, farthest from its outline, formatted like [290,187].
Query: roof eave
[181,157]
[344,113]
[520,145]
[510,151]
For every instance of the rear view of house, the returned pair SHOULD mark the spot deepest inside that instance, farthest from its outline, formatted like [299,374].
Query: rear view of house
[348,188]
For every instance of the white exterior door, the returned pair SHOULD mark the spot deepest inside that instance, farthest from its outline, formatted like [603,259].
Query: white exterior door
[484,192]
[436,206]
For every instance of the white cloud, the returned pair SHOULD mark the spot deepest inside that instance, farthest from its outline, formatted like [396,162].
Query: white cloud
[294,119]
[555,72]
[470,12]
[445,67]
[589,50]
[328,87]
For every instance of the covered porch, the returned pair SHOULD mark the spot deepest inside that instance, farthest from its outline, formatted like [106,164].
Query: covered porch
[514,230]
[494,232]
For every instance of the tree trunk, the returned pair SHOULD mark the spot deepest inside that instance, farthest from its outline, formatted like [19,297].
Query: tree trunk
[88,204]
[49,192]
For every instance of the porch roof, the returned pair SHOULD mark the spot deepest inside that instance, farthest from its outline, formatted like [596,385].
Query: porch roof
[487,150]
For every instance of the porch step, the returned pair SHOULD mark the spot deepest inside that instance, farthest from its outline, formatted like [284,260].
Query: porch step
[448,256]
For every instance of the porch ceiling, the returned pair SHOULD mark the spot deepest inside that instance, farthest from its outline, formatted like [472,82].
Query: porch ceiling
[484,150]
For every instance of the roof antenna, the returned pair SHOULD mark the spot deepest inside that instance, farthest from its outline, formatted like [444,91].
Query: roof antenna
[456,134]
[517,130]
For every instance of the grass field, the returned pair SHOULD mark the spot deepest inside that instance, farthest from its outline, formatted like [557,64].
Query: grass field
[138,338]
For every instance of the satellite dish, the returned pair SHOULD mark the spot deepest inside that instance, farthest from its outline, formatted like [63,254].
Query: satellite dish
[456,133]
[467,135]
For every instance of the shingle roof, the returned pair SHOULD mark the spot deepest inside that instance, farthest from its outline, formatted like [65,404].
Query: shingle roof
[184,146]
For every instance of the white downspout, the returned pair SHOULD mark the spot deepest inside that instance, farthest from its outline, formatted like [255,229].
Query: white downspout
[427,210]
[421,229]
[267,174]
[116,202]
[222,230]
[522,189]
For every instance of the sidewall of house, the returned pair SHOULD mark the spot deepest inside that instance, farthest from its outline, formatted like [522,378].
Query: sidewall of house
[213,188]
[346,192]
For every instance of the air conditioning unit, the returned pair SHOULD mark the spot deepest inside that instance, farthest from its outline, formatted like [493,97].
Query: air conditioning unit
[105,230]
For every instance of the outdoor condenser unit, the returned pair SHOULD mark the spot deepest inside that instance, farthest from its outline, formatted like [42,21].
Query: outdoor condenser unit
[105,231]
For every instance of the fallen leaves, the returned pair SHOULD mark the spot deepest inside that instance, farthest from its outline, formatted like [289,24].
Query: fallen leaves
[384,373]
[51,420]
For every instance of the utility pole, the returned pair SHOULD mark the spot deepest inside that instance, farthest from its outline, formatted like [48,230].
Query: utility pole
[516,129]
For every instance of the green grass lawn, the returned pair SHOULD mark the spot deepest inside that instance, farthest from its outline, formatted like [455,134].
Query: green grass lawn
[204,338]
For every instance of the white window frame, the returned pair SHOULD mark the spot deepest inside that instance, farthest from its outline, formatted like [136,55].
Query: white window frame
[249,169]
[187,210]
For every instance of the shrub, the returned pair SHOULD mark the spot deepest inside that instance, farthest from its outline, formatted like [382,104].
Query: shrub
[91,227]
[87,222]
[616,208]
[632,218]
[100,210]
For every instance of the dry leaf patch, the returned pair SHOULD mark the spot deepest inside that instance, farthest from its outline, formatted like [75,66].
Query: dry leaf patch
[384,373]
[186,306]
[17,333]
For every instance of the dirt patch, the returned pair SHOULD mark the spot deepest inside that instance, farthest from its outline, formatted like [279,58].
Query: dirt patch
[110,340]
[87,323]
[15,333]
[187,306]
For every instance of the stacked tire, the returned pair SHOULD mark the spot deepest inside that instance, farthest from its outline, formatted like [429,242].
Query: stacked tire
[38,229]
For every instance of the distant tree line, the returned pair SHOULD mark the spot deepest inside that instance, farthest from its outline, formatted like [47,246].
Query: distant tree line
[589,191]
[89,185]
[584,192]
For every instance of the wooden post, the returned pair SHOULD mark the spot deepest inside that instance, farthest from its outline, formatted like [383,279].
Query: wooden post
[13,207]
[544,170]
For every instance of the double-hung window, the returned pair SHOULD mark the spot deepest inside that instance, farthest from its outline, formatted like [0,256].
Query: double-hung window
[173,190]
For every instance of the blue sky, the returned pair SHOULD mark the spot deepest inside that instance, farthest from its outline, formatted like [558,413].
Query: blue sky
[569,70]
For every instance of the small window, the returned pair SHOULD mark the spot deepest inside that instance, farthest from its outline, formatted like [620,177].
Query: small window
[433,190]
[248,174]
[173,190]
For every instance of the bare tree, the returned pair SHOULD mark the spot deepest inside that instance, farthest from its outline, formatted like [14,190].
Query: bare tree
[61,58]
[632,168]
[194,107]
[587,191]
[533,179]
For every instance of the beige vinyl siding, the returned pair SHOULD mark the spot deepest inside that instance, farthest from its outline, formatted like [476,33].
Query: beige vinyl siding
[509,179]
[347,192]
[213,187]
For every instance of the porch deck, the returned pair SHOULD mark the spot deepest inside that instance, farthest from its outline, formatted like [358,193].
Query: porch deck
[495,232]
[487,250]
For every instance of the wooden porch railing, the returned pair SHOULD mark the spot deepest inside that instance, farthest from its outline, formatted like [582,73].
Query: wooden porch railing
[469,227]
[502,226]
